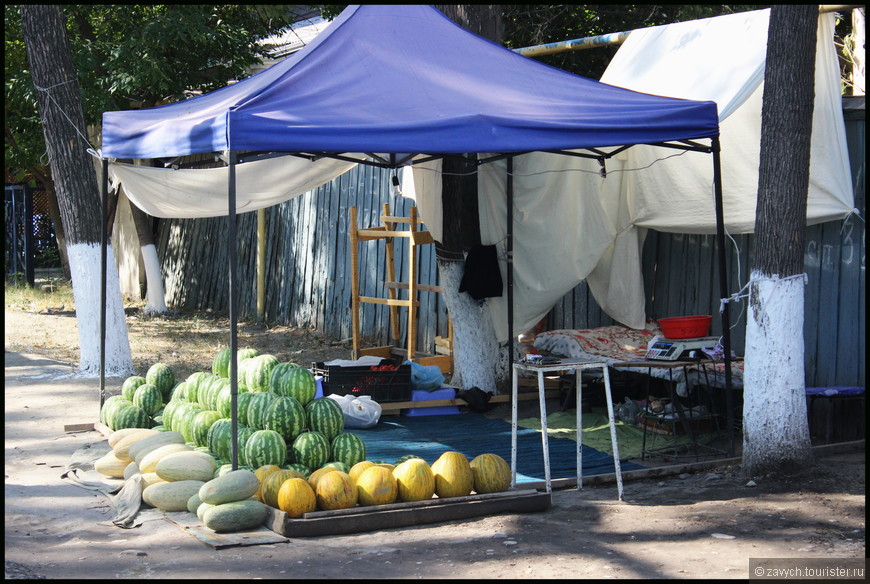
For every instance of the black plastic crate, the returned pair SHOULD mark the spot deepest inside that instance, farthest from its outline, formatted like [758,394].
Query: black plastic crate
[381,385]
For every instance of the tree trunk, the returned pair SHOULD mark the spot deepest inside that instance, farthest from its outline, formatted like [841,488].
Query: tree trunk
[857,48]
[478,358]
[775,429]
[155,296]
[60,107]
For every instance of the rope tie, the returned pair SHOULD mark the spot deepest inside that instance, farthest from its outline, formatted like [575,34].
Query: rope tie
[737,296]
[47,90]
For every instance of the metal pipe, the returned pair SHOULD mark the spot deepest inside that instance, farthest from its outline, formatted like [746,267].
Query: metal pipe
[602,40]
[617,38]
[231,236]
[509,252]
[723,293]
[104,236]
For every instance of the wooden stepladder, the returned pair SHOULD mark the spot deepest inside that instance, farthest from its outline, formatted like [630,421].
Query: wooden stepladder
[415,237]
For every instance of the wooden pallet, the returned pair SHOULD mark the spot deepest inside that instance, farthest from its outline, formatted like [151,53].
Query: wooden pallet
[362,519]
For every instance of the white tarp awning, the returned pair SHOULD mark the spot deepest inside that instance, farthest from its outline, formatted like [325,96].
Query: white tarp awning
[719,59]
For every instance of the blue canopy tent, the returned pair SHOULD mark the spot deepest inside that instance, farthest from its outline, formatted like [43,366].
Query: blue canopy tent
[399,81]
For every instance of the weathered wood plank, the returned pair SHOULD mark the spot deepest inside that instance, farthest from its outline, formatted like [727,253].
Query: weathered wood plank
[404,517]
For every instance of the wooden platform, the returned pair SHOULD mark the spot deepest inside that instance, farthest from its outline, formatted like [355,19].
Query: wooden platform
[190,524]
[395,408]
[362,519]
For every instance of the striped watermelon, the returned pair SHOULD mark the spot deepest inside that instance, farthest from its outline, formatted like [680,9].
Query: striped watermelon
[338,465]
[325,416]
[297,466]
[294,381]
[128,388]
[244,434]
[219,439]
[161,375]
[177,415]
[170,409]
[148,397]
[179,391]
[243,400]
[184,423]
[110,406]
[220,365]
[208,390]
[286,416]
[265,447]
[348,448]
[224,400]
[257,372]
[243,358]
[193,382]
[256,407]
[200,425]
[311,449]
[131,416]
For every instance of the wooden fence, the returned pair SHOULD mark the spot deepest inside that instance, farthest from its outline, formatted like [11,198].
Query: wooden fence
[308,272]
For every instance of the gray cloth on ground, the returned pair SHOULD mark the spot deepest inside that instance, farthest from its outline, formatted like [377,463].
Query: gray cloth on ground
[125,496]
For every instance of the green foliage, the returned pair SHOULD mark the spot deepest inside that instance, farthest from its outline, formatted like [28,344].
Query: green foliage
[135,55]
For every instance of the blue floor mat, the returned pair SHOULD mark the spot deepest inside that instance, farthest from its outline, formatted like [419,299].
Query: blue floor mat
[473,434]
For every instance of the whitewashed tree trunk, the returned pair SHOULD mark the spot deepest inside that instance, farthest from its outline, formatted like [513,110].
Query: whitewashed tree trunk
[60,110]
[84,262]
[155,296]
[774,405]
[478,359]
[775,426]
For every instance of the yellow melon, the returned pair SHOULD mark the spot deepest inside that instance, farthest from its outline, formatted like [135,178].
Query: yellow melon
[376,486]
[415,480]
[335,490]
[453,477]
[296,497]
[359,467]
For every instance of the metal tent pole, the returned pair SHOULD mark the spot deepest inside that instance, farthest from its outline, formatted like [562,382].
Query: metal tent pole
[231,243]
[723,293]
[104,236]
[509,246]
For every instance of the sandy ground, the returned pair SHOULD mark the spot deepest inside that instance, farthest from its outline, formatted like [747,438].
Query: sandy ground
[704,524]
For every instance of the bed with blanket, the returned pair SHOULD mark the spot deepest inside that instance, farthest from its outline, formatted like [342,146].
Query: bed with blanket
[617,344]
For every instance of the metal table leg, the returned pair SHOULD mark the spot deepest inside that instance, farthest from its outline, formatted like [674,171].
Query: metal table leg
[616,466]
[542,400]
[514,396]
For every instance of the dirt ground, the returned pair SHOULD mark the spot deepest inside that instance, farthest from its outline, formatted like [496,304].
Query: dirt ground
[701,523]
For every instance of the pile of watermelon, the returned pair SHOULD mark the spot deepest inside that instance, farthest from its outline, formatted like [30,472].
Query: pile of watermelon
[280,422]
[293,452]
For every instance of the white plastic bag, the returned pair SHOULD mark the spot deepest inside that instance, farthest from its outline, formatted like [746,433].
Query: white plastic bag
[359,412]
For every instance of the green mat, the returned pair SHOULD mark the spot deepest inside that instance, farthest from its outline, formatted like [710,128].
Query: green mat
[596,432]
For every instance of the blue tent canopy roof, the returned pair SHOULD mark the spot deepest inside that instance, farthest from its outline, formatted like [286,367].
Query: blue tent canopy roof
[404,78]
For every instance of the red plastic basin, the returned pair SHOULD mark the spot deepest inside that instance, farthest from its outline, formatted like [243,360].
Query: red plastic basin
[685,327]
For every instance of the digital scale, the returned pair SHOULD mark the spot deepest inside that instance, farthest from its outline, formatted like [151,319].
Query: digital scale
[674,349]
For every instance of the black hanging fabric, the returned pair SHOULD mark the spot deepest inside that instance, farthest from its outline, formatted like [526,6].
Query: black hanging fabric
[482,277]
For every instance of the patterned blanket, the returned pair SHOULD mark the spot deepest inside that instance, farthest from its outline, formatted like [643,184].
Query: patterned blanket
[617,343]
